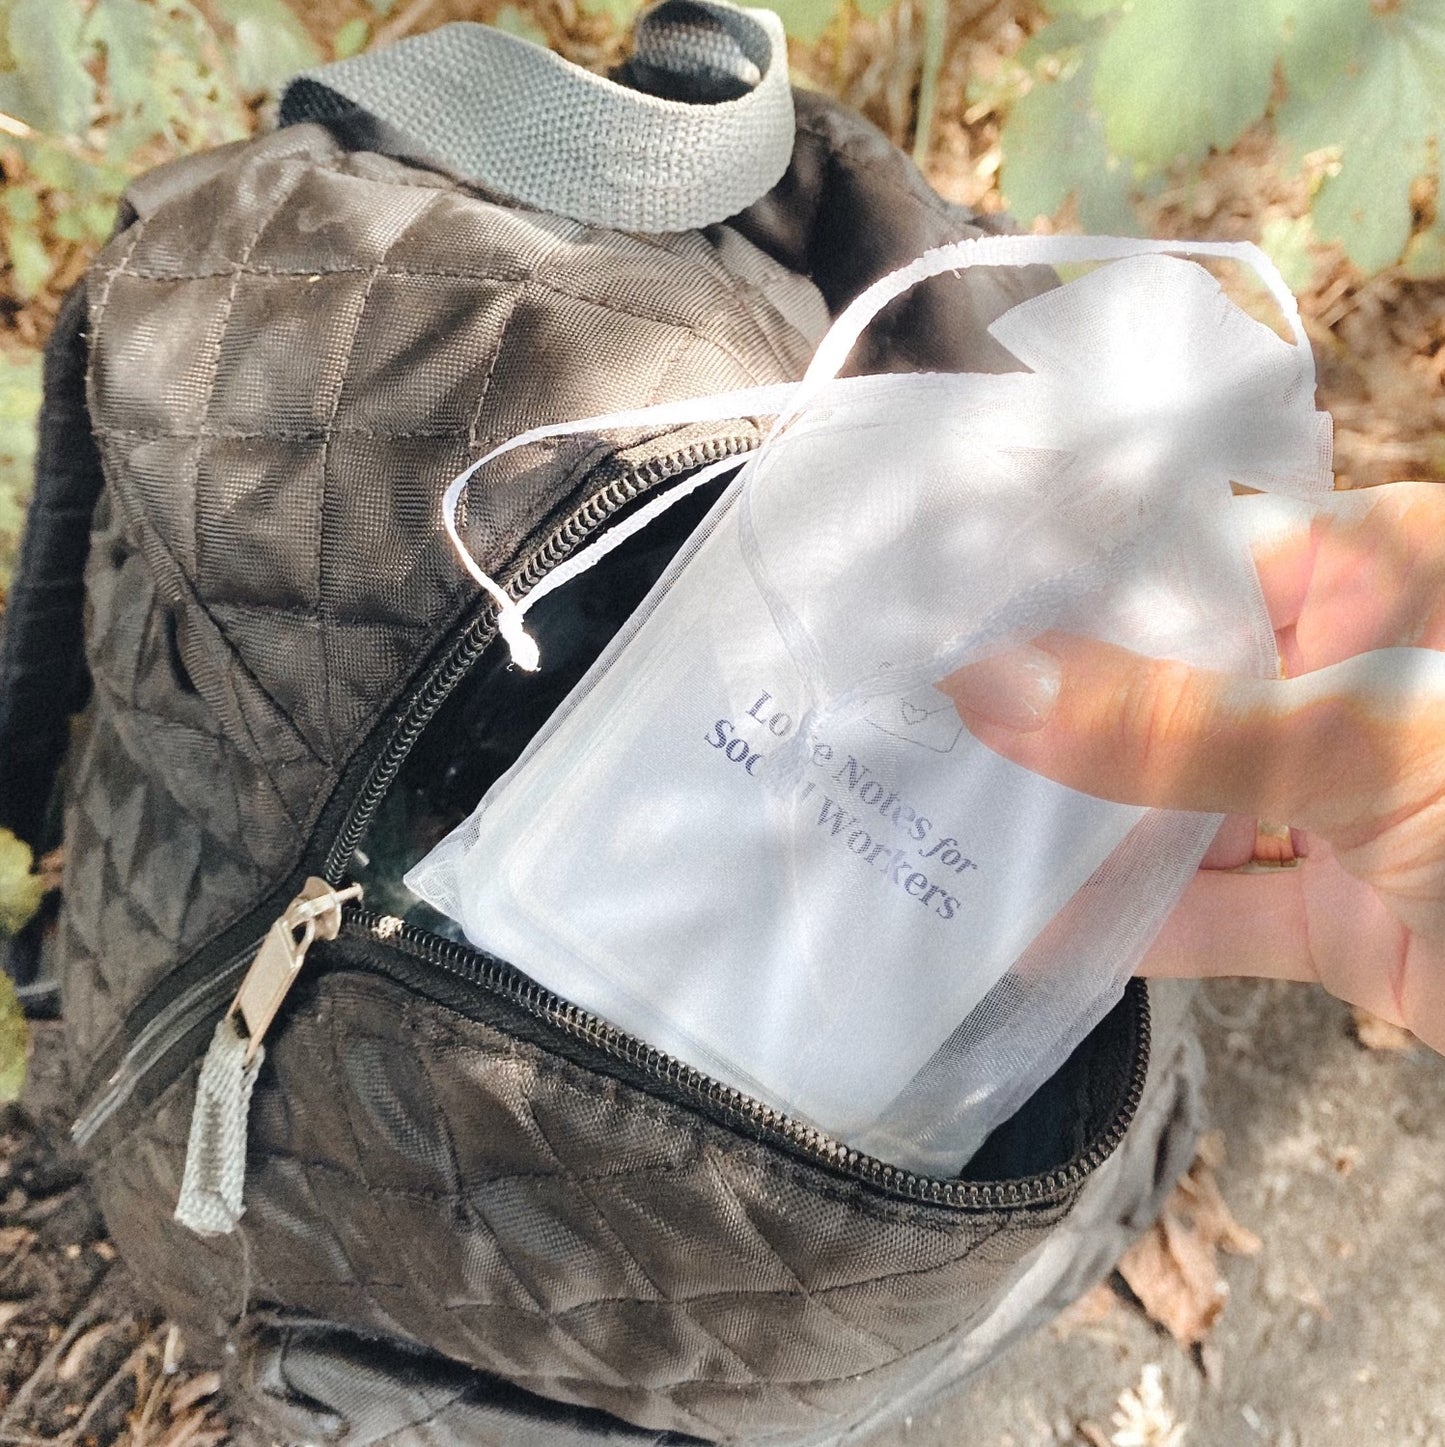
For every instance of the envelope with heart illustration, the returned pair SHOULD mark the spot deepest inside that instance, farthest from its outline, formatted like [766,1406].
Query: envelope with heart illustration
[926,718]
[759,838]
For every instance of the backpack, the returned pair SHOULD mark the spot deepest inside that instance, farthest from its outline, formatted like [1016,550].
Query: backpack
[472,1211]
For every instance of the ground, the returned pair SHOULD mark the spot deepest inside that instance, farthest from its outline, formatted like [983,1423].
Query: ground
[1331,1334]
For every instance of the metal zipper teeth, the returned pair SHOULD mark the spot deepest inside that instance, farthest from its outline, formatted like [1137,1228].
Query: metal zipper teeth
[468,648]
[482,971]
[157,1034]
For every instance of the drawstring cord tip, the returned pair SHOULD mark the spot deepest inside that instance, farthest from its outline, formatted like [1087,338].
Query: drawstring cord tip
[525,653]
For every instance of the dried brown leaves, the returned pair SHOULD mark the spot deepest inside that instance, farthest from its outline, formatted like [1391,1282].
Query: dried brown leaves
[1377,1034]
[1174,1269]
[80,1363]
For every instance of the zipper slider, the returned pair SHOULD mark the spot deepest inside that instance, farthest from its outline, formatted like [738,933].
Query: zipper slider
[215,1175]
[315,914]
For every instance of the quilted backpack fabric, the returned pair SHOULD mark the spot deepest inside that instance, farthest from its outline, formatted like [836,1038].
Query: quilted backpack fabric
[472,1212]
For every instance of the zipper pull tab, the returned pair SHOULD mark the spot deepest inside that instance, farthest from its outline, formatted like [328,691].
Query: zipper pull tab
[211,1189]
[315,914]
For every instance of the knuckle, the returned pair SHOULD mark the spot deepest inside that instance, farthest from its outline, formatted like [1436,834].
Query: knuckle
[1160,711]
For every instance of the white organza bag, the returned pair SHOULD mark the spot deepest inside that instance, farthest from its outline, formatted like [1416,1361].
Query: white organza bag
[758,838]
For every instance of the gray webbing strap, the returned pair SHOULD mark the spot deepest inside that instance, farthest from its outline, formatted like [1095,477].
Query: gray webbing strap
[523,122]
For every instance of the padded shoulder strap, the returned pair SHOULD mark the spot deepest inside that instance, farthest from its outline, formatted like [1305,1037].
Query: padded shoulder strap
[43,677]
[709,132]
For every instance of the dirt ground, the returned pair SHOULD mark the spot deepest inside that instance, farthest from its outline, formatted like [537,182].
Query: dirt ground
[1332,1334]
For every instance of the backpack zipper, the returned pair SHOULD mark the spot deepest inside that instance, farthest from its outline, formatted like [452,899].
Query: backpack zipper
[169,1016]
[261,978]
[170,1011]
[469,647]
[484,974]
[268,977]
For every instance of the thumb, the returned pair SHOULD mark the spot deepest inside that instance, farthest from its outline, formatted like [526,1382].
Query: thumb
[1154,732]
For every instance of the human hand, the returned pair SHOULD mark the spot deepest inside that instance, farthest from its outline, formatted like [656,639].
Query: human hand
[1349,749]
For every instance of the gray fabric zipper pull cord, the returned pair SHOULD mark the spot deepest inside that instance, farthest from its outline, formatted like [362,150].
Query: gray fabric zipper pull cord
[215,1176]
[520,121]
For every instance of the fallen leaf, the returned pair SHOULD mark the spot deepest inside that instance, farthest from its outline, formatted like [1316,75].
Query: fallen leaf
[50,867]
[1143,1418]
[1377,1034]
[1210,1150]
[207,1384]
[9,1310]
[1173,1270]
[75,1358]
[1089,1310]
[1173,1273]
[1212,1217]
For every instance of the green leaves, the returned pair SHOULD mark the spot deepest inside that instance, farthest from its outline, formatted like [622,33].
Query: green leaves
[1286,241]
[619,12]
[29,260]
[519,23]
[20,890]
[1385,111]
[19,407]
[271,45]
[1053,139]
[1173,79]
[43,80]
[350,39]
[104,90]
[127,35]
[1124,90]
[13,1049]
[806,20]
[20,893]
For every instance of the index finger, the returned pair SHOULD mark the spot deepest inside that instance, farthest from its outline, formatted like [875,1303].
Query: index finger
[1361,738]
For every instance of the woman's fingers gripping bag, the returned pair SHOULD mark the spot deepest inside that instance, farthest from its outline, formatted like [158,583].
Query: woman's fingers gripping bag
[758,837]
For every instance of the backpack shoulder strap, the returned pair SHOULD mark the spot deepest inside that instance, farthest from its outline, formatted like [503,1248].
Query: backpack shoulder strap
[43,676]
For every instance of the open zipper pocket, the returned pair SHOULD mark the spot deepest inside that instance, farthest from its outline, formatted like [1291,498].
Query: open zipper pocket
[477,984]
[196,991]
[427,964]
[166,1029]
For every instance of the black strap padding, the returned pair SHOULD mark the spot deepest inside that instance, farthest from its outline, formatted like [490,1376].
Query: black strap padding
[43,676]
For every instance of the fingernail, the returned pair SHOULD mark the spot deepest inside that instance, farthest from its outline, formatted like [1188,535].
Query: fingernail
[1015,690]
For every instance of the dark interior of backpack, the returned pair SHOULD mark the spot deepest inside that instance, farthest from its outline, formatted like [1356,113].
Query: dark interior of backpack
[494,713]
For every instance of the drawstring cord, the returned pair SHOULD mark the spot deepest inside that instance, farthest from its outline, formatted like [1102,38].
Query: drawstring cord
[722,406]
[785,401]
